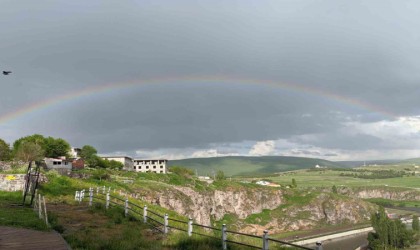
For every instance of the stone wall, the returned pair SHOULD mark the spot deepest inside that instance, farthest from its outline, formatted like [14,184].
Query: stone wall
[12,182]
[5,165]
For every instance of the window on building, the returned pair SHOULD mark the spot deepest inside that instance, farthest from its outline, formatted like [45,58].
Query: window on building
[161,166]
[147,167]
[161,171]
[154,167]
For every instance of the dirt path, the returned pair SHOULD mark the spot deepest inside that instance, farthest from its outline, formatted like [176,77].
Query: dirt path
[22,239]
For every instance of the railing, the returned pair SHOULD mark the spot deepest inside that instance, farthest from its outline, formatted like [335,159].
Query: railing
[160,222]
[41,207]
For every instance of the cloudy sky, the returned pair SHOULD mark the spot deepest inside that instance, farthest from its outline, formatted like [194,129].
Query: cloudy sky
[338,80]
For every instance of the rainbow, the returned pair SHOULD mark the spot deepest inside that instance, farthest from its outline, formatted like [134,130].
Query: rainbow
[105,88]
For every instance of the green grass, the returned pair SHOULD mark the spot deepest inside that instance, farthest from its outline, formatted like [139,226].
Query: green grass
[328,178]
[12,214]
[119,232]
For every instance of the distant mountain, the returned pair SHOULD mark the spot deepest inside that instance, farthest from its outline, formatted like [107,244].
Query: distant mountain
[244,165]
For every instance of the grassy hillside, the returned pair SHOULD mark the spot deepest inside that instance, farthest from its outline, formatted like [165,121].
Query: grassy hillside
[242,165]
[415,161]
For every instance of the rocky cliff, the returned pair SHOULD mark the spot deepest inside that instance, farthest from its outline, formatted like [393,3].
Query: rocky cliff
[323,209]
[390,193]
[269,208]
[214,204]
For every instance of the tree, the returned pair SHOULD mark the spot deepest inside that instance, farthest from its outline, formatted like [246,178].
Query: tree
[334,189]
[52,147]
[220,175]
[88,153]
[56,147]
[35,138]
[29,151]
[112,164]
[294,184]
[389,233]
[5,151]
[415,225]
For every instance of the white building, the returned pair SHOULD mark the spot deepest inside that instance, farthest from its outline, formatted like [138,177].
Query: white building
[156,166]
[75,152]
[58,164]
[125,160]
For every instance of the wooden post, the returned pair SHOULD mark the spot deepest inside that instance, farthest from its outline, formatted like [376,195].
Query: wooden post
[97,190]
[224,237]
[35,202]
[103,190]
[126,207]
[145,214]
[90,196]
[39,206]
[190,226]
[107,201]
[265,240]
[76,196]
[45,211]
[165,223]
[318,245]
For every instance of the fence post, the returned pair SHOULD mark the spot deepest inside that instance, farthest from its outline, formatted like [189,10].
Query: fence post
[165,223]
[103,190]
[82,195]
[190,228]
[265,240]
[107,201]
[35,205]
[76,196]
[318,245]
[126,207]
[224,237]
[45,211]
[90,196]
[97,190]
[39,206]
[145,214]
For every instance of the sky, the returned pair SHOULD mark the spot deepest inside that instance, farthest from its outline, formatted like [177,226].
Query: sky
[337,80]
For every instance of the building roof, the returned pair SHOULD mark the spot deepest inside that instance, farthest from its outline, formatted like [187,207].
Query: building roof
[150,160]
[117,156]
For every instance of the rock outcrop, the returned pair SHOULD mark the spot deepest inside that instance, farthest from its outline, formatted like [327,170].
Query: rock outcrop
[207,205]
[391,193]
[212,205]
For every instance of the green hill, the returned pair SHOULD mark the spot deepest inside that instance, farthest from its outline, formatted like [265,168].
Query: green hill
[410,161]
[243,165]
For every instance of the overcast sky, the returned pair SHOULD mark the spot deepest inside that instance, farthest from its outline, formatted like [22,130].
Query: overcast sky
[345,76]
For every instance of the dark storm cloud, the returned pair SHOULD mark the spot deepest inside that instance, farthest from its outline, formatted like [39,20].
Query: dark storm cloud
[362,50]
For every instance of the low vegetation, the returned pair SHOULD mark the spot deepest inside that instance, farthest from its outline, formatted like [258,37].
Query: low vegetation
[13,214]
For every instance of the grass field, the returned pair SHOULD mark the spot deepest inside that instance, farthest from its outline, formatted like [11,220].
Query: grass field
[12,214]
[328,178]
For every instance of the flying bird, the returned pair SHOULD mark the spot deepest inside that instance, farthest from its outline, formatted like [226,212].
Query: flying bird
[6,72]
